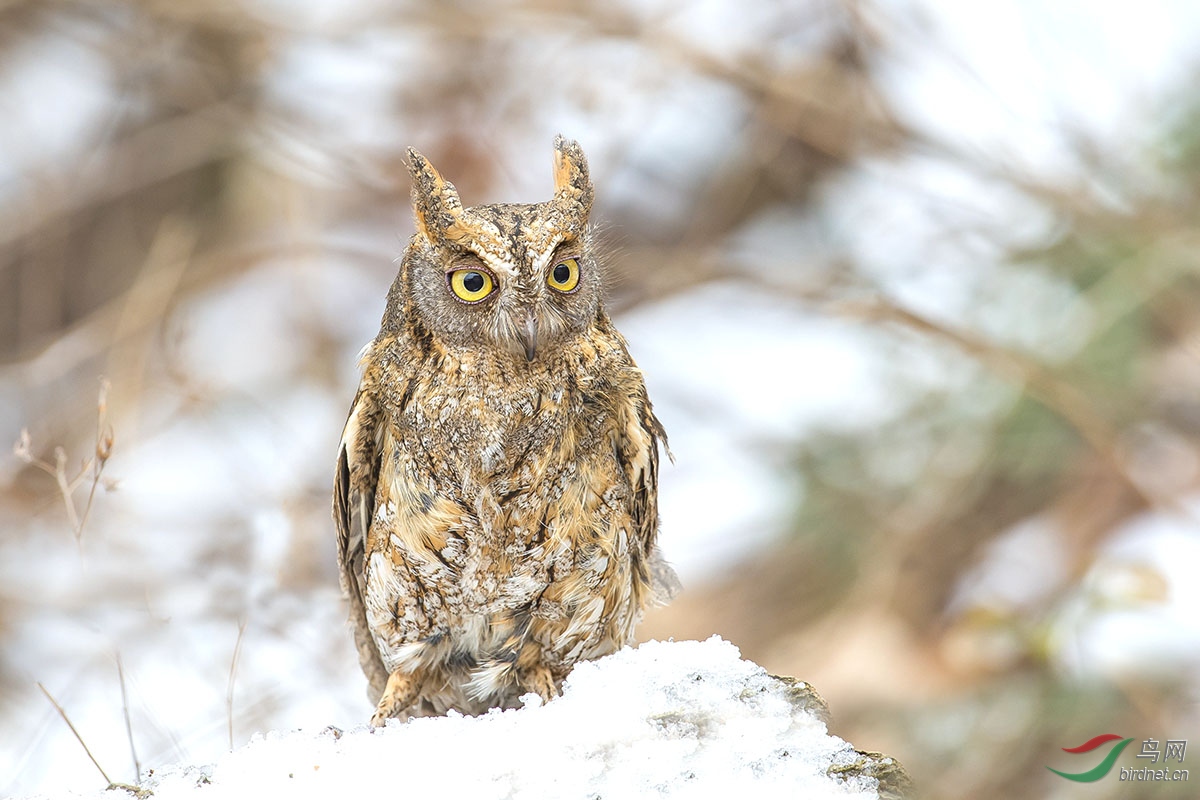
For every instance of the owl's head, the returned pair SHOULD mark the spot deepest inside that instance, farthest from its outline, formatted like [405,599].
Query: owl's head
[512,278]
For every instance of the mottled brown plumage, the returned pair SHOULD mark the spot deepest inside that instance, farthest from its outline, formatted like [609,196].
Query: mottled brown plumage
[496,488]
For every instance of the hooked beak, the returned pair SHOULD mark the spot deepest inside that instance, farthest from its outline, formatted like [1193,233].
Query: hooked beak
[528,336]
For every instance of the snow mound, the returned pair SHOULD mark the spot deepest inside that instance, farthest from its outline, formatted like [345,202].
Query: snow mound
[668,719]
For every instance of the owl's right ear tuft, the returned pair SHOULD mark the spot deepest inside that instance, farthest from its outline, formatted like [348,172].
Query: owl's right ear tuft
[572,185]
[436,206]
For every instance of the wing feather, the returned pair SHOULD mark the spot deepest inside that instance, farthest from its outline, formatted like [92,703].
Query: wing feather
[640,453]
[353,508]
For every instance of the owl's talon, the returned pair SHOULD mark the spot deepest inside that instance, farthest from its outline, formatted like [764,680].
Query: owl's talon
[540,681]
[400,693]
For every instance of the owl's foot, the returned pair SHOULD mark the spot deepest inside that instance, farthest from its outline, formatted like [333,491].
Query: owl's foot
[540,680]
[400,693]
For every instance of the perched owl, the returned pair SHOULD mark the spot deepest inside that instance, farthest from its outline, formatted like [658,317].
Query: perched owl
[496,489]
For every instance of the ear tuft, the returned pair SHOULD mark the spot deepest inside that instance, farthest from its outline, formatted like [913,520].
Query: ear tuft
[572,185]
[436,206]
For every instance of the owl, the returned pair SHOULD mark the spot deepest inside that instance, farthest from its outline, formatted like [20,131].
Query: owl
[496,497]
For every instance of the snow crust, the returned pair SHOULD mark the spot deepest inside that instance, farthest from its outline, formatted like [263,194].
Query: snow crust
[668,719]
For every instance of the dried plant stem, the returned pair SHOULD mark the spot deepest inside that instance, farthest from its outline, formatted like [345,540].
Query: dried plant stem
[94,465]
[66,488]
[62,713]
[137,765]
[104,445]
[233,665]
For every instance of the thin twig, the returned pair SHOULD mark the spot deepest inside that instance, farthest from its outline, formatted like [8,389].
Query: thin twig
[62,713]
[104,446]
[23,449]
[233,665]
[65,488]
[137,765]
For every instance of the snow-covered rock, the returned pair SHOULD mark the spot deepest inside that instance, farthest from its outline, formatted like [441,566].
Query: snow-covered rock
[667,719]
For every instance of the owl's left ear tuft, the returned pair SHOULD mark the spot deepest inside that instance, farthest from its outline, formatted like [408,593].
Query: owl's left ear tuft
[572,185]
[436,206]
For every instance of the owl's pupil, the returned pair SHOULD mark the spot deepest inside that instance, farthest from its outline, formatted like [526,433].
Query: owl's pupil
[472,282]
[562,273]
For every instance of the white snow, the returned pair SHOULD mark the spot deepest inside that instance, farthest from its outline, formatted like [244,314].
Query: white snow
[668,719]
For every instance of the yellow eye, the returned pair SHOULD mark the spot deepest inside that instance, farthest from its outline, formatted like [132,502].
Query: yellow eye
[565,275]
[470,285]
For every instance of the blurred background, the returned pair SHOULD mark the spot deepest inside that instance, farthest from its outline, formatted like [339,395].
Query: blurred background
[914,284]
